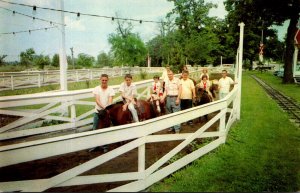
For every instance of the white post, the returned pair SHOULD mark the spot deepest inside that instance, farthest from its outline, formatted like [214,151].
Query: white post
[236,65]
[39,79]
[221,61]
[63,58]
[295,60]
[240,63]
[12,82]
[149,61]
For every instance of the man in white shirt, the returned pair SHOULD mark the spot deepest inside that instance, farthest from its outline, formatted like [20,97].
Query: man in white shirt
[172,93]
[128,92]
[224,84]
[103,97]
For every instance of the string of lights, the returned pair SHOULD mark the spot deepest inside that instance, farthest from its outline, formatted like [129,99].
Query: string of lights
[28,31]
[34,18]
[34,8]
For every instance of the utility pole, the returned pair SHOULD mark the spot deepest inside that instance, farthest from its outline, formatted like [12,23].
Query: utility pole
[63,57]
[72,57]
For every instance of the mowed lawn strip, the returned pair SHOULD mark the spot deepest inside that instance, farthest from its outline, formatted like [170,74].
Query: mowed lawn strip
[261,153]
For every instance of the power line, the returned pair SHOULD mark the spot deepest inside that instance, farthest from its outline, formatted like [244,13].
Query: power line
[79,14]
[28,31]
[34,18]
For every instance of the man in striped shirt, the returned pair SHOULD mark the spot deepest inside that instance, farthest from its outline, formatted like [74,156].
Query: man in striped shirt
[172,95]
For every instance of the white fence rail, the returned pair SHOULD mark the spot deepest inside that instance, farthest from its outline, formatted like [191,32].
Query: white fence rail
[29,79]
[18,80]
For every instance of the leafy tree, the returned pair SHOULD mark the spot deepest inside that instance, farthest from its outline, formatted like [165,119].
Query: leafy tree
[104,59]
[55,60]
[85,60]
[27,57]
[195,39]
[2,62]
[127,47]
[42,61]
[270,12]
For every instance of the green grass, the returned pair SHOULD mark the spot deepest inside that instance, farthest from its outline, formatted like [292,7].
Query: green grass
[291,90]
[261,153]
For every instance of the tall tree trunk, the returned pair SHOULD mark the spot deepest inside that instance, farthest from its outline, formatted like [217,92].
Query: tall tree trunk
[289,51]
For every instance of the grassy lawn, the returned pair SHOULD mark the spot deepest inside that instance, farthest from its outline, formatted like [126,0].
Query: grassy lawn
[262,153]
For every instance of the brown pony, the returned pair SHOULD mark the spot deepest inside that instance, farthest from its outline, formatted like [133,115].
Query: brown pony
[202,96]
[114,114]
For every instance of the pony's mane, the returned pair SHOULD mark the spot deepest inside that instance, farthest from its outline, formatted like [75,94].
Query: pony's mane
[114,105]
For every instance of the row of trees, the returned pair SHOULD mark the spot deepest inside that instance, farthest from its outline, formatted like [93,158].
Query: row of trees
[189,35]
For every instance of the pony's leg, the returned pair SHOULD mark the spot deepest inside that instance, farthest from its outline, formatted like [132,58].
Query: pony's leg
[157,105]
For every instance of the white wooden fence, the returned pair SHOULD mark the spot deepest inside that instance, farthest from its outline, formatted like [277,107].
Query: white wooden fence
[29,79]
[19,80]
[141,133]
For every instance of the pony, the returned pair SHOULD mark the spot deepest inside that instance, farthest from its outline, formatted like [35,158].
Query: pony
[114,114]
[202,96]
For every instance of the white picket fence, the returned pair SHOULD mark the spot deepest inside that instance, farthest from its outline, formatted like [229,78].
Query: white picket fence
[141,133]
[29,79]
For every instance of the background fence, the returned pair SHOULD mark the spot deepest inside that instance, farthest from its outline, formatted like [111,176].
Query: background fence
[28,79]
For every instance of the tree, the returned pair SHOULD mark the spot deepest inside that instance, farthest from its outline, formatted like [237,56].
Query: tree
[27,57]
[270,12]
[2,62]
[85,60]
[104,59]
[195,38]
[42,61]
[127,47]
[55,60]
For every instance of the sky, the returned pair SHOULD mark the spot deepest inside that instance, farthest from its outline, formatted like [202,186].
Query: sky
[88,34]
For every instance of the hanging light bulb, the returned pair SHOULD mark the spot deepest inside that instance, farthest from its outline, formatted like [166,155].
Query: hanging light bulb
[34,10]
[182,26]
[199,27]
[78,16]
[141,21]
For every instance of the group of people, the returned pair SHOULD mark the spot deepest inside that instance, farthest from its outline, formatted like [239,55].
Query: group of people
[178,94]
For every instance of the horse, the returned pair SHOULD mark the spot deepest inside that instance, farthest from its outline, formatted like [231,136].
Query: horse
[202,96]
[114,114]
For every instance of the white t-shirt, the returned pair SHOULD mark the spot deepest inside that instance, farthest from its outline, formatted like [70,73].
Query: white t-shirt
[128,90]
[224,84]
[103,95]
[187,87]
